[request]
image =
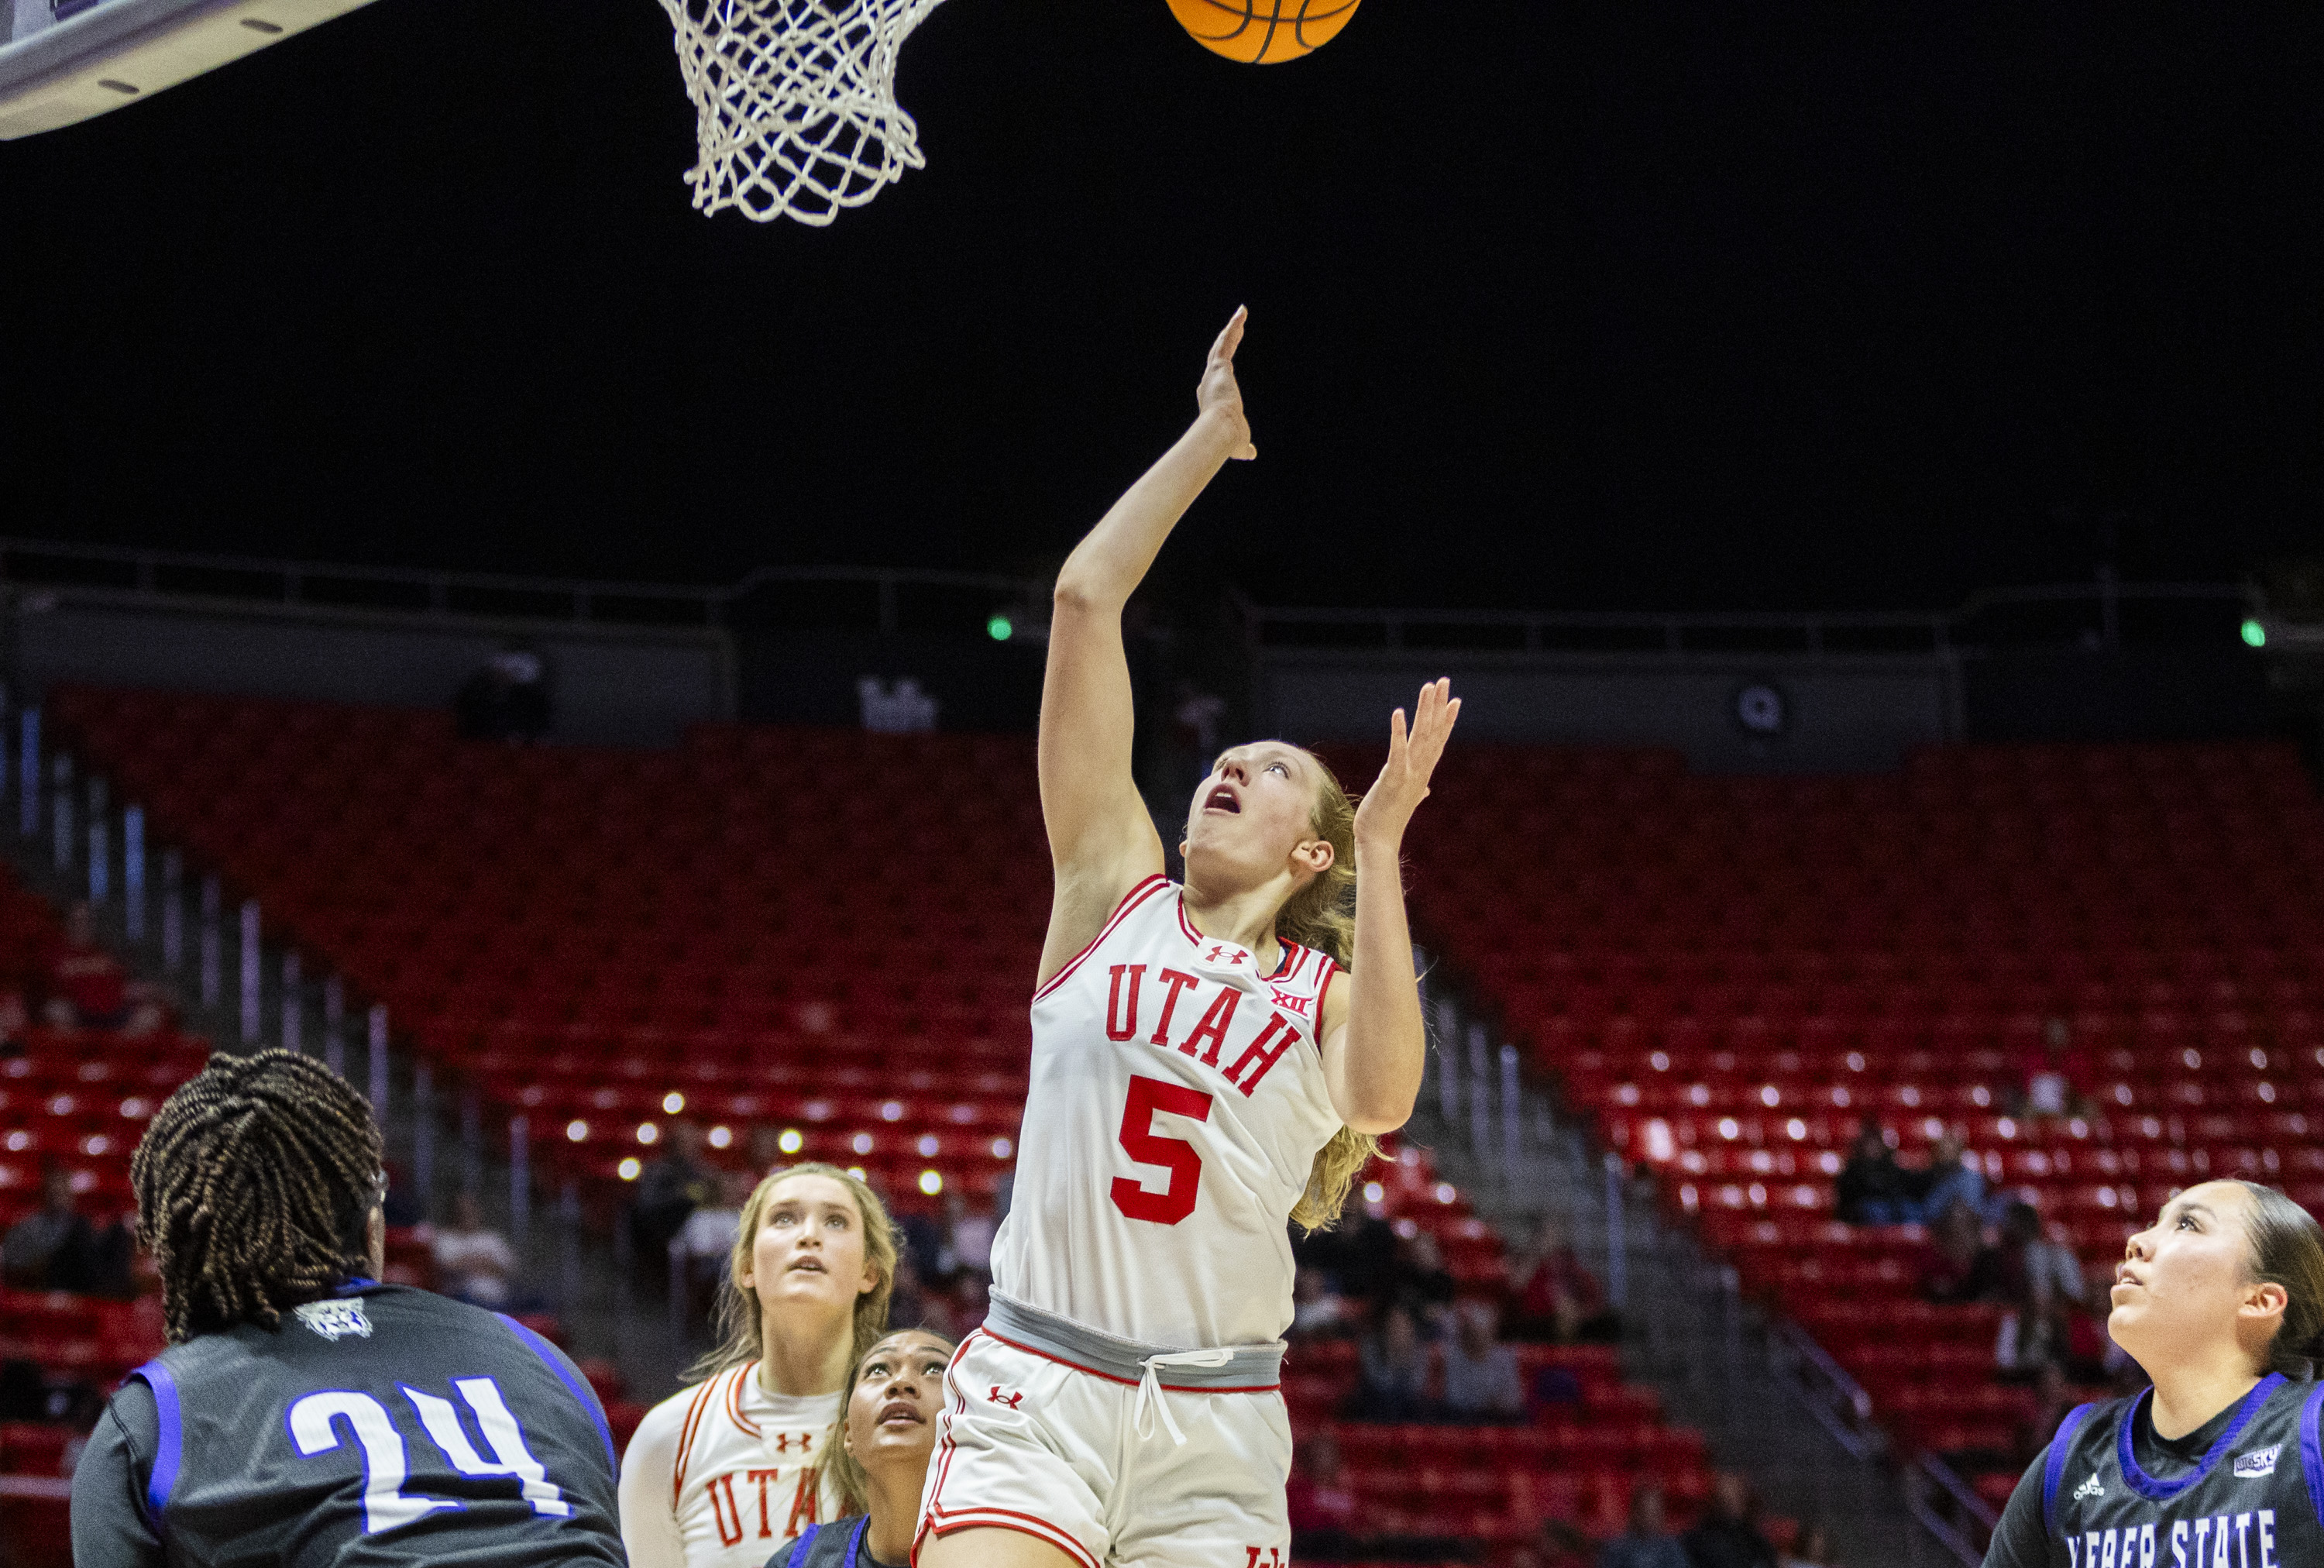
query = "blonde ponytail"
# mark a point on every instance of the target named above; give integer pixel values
(1323, 916)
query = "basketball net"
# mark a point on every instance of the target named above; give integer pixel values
(795, 102)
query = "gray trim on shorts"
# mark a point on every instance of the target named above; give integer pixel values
(1093, 1351)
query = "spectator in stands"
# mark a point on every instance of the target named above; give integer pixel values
(54, 1247)
(1728, 1535)
(1317, 1311)
(705, 1244)
(1358, 1254)
(1873, 1189)
(972, 1298)
(2052, 1400)
(1481, 1374)
(473, 1262)
(1393, 1364)
(2055, 1076)
(87, 987)
(507, 699)
(967, 1239)
(1947, 1179)
(672, 1185)
(1959, 1266)
(1324, 1509)
(1811, 1549)
(2041, 1282)
(1422, 1285)
(1647, 1543)
(1554, 1297)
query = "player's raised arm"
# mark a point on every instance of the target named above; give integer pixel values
(1376, 1046)
(1102, 841)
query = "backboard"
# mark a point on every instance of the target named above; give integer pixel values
(63, 61)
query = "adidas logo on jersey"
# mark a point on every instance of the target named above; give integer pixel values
(2258, 1462)
(2090, 1489)
(334, 1320)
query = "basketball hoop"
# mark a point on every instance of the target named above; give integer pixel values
(795, 102)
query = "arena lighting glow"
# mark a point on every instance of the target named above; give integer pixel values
(577, 1130)
(2254, 634)
(673, 1103)
(927, 1145)
(648, 1133)
(629, 1170)
(720, 1137)
(860, 1143)
(856, 1171)
(931, 1183)
(1374, 1191)
(1001, 629)
(791, 1142)
(1002, 1148)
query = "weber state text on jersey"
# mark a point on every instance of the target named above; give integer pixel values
(383, 1424)
(1178, 1103)
(2105, 1494)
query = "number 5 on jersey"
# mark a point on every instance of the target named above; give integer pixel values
(1148, 1098)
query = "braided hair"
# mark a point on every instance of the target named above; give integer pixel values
(254, 1185)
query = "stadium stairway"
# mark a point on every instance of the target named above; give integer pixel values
(1722, 975)
(1719, 1365)
(819, 937)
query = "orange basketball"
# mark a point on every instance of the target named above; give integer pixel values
(1263, 31)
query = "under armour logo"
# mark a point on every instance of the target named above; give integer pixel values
(2090, 1489)
(1012, 1401)
(1233, 956)
(1274, 1558)
(783, 1443)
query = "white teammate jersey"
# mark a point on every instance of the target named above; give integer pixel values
(1177, 1103)
(721, 1474)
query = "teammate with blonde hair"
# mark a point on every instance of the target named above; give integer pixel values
(727, 1470)
(1209, 1061)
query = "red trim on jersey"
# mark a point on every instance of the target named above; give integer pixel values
(1004, 1520)
(1125, 1382)
(1130, 900)
(1331, 972)
(1197, 940)
(686, 1436)
(735, 1402)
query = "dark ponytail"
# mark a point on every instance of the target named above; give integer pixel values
(2287, 1247)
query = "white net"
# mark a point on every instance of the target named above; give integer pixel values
(795, 102)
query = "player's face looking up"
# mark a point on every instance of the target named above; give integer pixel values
(2189, 1281)
(809, 1249)
(891, 1410)
(1253, 818)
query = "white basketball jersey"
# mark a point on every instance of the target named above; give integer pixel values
(1177, 1103)
(744, 1480)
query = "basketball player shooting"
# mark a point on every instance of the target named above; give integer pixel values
(1209, 1061)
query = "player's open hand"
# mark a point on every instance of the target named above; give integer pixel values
(1403, 783)
(1219, 393)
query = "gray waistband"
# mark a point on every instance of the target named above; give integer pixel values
(1093, 1351)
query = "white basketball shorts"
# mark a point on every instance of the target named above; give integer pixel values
(1034, 1443)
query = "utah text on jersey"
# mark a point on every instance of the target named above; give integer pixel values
(739, 1479)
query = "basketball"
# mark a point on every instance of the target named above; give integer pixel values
(1263, 31)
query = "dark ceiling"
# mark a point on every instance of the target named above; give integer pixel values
(1602, 306)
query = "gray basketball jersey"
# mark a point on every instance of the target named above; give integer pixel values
(381, 1425)
(2255, 1500)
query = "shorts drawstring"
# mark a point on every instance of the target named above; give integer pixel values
(1149, 1387)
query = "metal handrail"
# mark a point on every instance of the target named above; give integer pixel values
(581, 594)
(1672, 629)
